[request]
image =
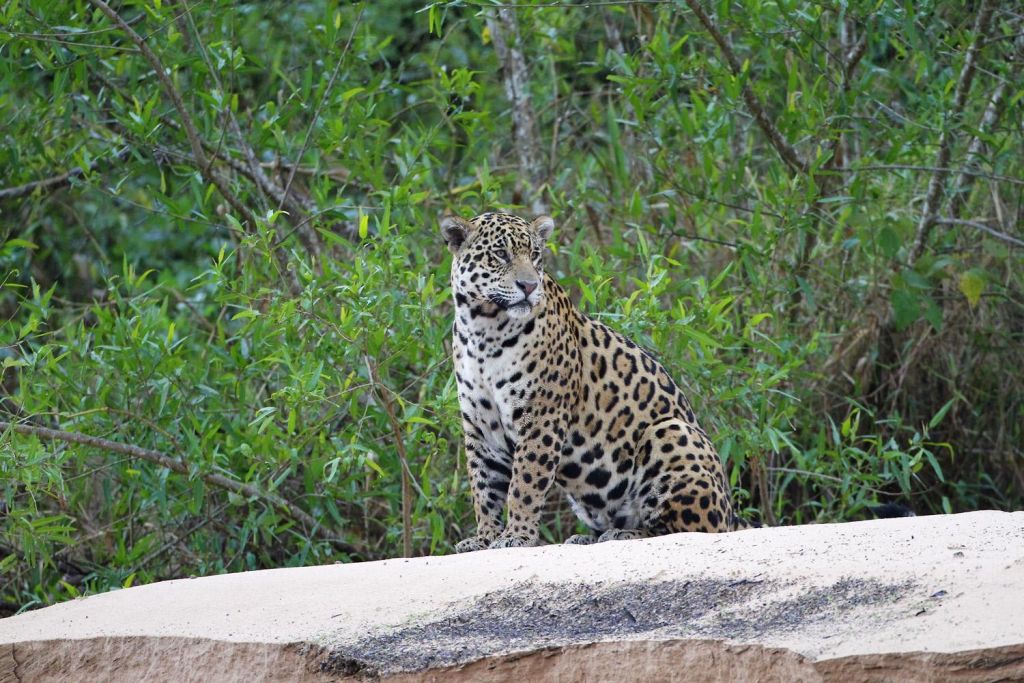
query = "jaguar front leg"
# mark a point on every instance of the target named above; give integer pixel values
(489, 473)
(533, 471)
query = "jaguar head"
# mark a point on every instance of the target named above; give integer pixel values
(498, 260)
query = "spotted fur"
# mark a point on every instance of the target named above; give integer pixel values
(551, 397)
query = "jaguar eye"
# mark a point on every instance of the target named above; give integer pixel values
(502, 254)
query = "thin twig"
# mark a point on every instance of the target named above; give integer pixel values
(779, 142)
(963, 184)
(396, 429)
(826, 183)
(573, 5)
(820, 475)
(515, 76)
(931, 169)
(963, 87)
(167, 462)
(178, 538)
(65, 34)
(638, 163)
(981, 226)
(710, 240)
(299, 205)
(247, 151)
(296, 208)
(58, 181)
(247, 218)
(179, 105)
(323, 98)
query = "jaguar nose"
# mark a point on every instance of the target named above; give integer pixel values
(527, 286)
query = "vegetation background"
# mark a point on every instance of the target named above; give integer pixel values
(224, 301)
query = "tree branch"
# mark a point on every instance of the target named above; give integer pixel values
(779, 142)
(396, 430)
(58, 181)
(296, 207)
(186, 120)
(181, 467)
(515, 75)
(931, 169)
(974, 149)
(980, 226)
(195, 141)
(963, 88)
(316, 114)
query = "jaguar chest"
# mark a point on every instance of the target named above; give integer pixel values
(493, 385)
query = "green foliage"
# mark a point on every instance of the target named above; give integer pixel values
(302, 349)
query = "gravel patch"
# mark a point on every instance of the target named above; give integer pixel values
(531, 617)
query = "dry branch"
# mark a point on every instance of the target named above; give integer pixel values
(1010, 239)
(323, 98)
(396, 430)
(58, 181)
(179, 105)
(993, 110)
(504, 28)
(785, 150)
(963, 88)
(175, 465)
(933, 169)
(195, 141)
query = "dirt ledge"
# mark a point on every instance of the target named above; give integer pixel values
(919, 599)
(675, 661)
(655, 661)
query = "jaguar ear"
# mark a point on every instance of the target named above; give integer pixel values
(455, 231)
(543, 225)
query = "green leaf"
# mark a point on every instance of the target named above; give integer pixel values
(905, 308)
(937, 418)
(844, 428)
(352, 92)
(972, 284)
(888, 241)
(933, 314)
(372, 464)
(935, 465)
(701, 337)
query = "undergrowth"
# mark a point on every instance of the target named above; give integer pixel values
(284, 339)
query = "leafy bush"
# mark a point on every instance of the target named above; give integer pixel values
(225, 294)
